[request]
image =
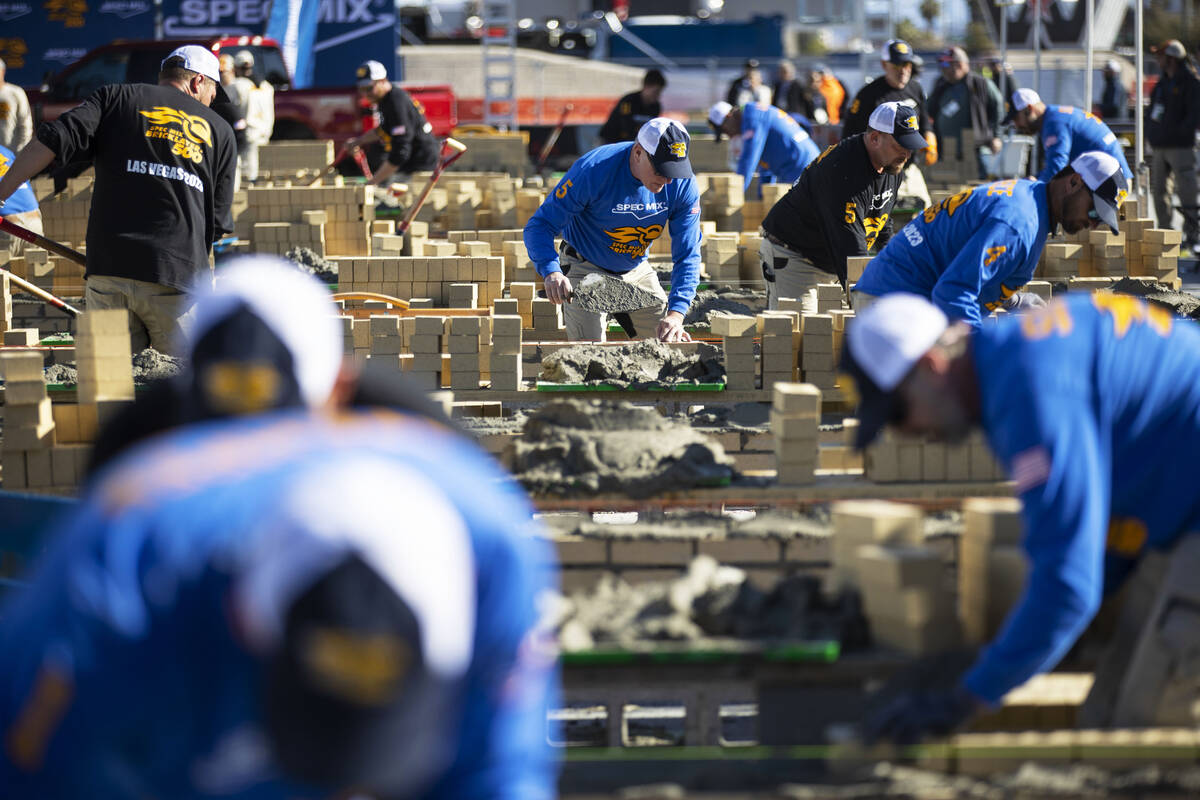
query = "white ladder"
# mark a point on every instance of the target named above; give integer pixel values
(499, 44)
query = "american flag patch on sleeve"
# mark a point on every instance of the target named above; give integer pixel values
(1030, 468)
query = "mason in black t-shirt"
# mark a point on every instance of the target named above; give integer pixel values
(838, 208)
(634, 110)
(403, 129)
(164, 165)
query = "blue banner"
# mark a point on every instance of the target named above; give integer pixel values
(40, 36)
(293, 23)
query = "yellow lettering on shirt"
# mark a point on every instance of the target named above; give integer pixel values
(1002, 187)
(561, 191)
(1127, 310)
(993, 254)
(949, 205)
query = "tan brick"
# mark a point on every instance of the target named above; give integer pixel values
(573, 550)
(739, 550)
(652, 552)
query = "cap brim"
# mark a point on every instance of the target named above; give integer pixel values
(674, 169)
(912, 140)
(1108, 213)
(221, 96)
(875, 407)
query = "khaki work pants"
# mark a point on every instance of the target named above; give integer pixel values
(159, 316)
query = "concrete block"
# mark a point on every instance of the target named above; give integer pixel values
(652, 552)
(797, 399)
(732, 326)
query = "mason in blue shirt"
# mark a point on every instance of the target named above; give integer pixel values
(1065, 132)
(772, 142)
(1092, 404)
(610, 207)
(20, 208)
(972, 253)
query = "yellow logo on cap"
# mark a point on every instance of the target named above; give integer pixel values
(910, 123)
(678, 149)
(901, 47)
(195, 131)
(1121, 195)
(363, 668)
(237, 388)
(362, 72)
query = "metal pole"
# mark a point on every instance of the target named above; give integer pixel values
(1003, 45)
(1140, 178)
(1037, 45)
(1088, 24)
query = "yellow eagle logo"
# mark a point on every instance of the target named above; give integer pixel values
(633, 240)
(678, 149)
(901, 47)
(910, 123)
(1121, 195)
(195, 131)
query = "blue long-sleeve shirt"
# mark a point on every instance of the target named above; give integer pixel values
(22, 200)
(125, 671)
(1069, 132)
(611, 219)
(969, 253)
(774, 142)
(1093, 406)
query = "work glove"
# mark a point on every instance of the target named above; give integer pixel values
(916, 715)
(1023, 301)
(931, 153)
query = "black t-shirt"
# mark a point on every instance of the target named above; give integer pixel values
(836, 209)
(627, 118)
(880, 91)
(164, 180)
(405, 132)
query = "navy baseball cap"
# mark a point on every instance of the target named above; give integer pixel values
(897, 51)
(667, 143)
(900, 120)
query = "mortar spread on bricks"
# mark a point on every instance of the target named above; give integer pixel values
(606, 294)
(648, 362)
(586, 447)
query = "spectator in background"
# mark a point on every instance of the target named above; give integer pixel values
(788, 93)
(233, 111)
(748, 87)
(1001, 74)
(259, 114)
(832, 90)
(16, 123)
(1112, 96)
(634, 110)
(1171, 130)
(964, 100)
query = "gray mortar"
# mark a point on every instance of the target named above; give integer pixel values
(604, 293)
(708, 604)
(148, 365)
(577, 447)
(1182, 304)
(736, 416)
(647, 362)
(724, 301)
(311, 262)
(61, 373)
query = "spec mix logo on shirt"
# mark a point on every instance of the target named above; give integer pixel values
(633, 240)
(185, 142)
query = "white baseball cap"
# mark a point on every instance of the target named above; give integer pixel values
(370, 71)
(900, 121)
(202, 61)
(295, 327)
(719, 111)
(1021, 100)
(883, 343)
(244, 58)
(667, 143)
(1103, 176)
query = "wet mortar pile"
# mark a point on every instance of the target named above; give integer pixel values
(587, 447)
(603, 293)
(148, 365)
(314, 264)
(1182, 304)
(644, 363)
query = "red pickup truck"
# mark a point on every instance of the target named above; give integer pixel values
(299, 113)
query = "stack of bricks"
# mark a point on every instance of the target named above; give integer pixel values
(777, 331)
(426, 347)
(347, 324)
(65, 215)
(906, 599)
(723, 200)
(1106, 256)
(28, 421)
(854, 268)
(863, 522)
(500, 203)
(737, 346)
(494, 152)
(293, 159)
(1061, 260)
(102, 356)
(517, 264)
(795, 417)
(892, 458)
(349, 212)
(524, 294)
(817, 357)
(495, 238)
(280, 237)
(1158, 255)
(408, 277)
(991, 565)
(547, 321)
(462, 295)
(464, 347)
(433, 210)
(387, 343)
(436, 248)
(463, 197)
(505, 366)
(749, 261)
(528, 202)
(830, 298)
(722, 261)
